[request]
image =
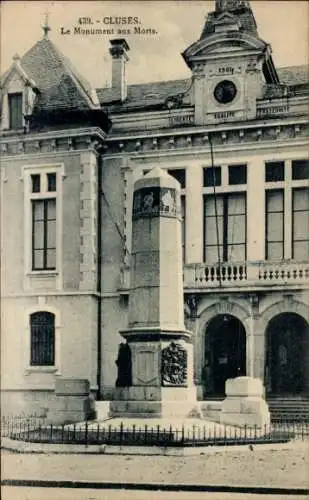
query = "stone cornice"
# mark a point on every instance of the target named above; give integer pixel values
(227, 138)
(57, 141)
(55, 134)
(206, 129)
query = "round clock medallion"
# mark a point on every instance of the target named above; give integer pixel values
(225, 91)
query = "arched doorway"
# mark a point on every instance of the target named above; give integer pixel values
(225, 353)
(287, 355)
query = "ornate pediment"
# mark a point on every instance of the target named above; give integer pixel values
(226, 22)
(16, 75)
(223, 42)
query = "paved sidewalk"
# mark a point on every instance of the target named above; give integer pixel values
(268, 468)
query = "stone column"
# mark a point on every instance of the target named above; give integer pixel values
(194, 215)
(255, 212)
(159, 349)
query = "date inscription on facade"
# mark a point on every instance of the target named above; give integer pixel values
(174, 359)
(154, 202)
(226, 70)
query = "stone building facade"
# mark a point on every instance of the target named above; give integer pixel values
(235, 135)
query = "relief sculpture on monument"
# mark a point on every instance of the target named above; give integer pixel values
(174, 365)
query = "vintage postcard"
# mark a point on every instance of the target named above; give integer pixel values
(154, 227)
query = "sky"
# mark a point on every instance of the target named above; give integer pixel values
(153, 57)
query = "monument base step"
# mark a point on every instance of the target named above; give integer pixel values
(102, 410)
(155, 409)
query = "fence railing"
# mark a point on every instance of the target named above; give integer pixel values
(10, 424)
(203, 434)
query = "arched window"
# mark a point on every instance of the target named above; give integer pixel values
(42, 328)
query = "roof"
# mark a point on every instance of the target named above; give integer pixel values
(244, 16)
(60, 85)
(147, 93)
(294, 75)
(156, 93)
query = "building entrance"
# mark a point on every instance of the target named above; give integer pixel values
(225, 353)
(287, 354)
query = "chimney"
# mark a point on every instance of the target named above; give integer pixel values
(118, 51)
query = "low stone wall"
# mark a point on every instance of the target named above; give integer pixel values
(244, 404)
(72, 402)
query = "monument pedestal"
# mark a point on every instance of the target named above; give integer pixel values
(244, 404)
(162, 377)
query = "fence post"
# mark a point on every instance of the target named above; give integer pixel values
(86, 432)
(51, 432)
(98, 433)
(183, 433)
(121, 432)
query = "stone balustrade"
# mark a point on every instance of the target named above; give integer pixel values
(283, 272)
(238, 274)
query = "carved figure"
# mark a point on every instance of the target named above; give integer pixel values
(174, 365)
(168, 201)
(148, 201)
(124, 365)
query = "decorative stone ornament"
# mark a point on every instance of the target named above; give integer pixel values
(174, 365)
(154, 202)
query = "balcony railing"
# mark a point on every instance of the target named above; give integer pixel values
(230, 274)
(237, 274)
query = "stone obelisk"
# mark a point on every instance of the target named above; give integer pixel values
(160, 347)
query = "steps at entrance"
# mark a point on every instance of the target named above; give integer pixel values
(289, 408)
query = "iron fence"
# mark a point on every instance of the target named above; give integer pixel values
(12, 424)
(34, 429)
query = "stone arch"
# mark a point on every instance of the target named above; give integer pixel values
(286, 328)
(213, 342)
(223, 307)
(287, 305)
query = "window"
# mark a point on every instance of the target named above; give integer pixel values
(211, 176)
(274, 171)
(237, 174)
(274, 240)
(43, 198)
(36, 183)
(44, 234)
(300, 170)
(42, 345)
(16, 110)
(180, 175)
(300, 224)
(51, 182)
(230, 224)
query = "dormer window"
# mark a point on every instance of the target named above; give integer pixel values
(15, 110)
